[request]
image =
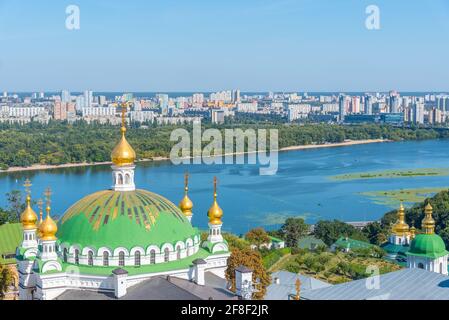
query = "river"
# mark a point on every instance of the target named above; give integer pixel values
(301, 187)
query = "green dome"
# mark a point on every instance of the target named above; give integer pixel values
(124, 219)
(427, 245)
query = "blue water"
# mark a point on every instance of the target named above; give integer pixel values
(300, 188)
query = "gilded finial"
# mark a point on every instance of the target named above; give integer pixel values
(298, 289)
(428, 223)
(400, 228)
(186, 205)
(215, 213)
(186, 182)
(48, 228)
(123, 154)
(28, 216)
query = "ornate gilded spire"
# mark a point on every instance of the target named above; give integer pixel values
(215, 213)
(428, 224)
(123, 154)
(400, 228)
(40, 205)
(28, 216)
(48, 227)
(298, 289)
(186, 205)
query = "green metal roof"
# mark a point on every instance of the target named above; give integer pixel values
(10, 238)
(124, 219)
(274, 239)
(394, 248)
(428, 245)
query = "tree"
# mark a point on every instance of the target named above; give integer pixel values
(15, 203)
(6, 280)
(330, 231)
(7, 217)
(257, 236)
(235, 242)
(293, 230)
(375, 233)
(252, 260)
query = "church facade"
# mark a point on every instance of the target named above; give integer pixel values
(114, 239)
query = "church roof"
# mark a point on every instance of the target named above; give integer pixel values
(160, 288)
(124, 219)
(405, 284)
(427, 245)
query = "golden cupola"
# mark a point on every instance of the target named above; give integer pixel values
(215, 213)
(123, 154)
(48, 227)
(28, 217)
(186, 205)
(401, 228)
(41, 219)
(428, 223)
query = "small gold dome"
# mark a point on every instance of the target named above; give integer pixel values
(428, 223)
(400, 228)
(28, 217)
(48, 228)
(186, 205)
(123, 154)
(215, 213)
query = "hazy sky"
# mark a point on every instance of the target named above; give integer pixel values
(198, 45)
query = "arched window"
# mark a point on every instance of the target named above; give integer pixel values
(121, 259)
(152, 257)
(441, 267)
(400, 241)
(106, 259)
(137, 259)
(90, 258)
(64, 254)
(127, 178)
(420, 265)
(77, 256)
(166, 255)
(178, 253)
(120, 179)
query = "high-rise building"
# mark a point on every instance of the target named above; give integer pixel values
(343, 106)
(355, 104)
(65, 96)
(368, 105)
(80, 103)
(88, 98)
(60, 111)
(5, 94)
(101, 100)
(394, 104)
(418, 112)
(218, 116)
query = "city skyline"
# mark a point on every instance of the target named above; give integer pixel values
(255, 46)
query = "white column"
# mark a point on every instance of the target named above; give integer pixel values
(123, 178)
(29, 239)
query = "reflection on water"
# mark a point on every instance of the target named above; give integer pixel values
(300, 188)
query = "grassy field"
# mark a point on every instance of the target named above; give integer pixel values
(392, 198)
(333, 268)
(388, 174)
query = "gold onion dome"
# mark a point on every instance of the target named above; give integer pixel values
(123, 154)
(401, 228)
(48, 228)
(215, 213)
(41, 220)
(186, 205)
(428, 223)
(28, 217)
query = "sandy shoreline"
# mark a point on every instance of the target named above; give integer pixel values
(38, 167)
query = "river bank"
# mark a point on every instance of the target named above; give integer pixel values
(38, 167)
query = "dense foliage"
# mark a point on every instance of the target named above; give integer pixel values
(293, 230)
(60, 142)
(330, 231)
